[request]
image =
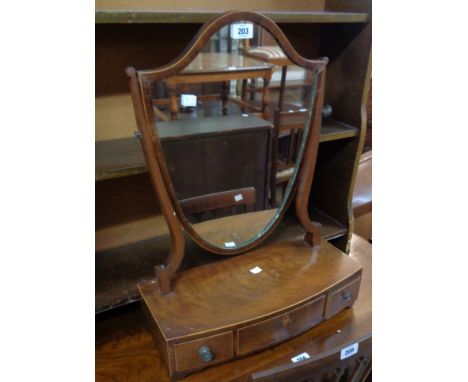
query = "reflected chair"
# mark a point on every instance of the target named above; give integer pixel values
(286, 124)
(219, 204)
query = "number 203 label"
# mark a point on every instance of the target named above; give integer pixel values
(349, 350)
(242, 30)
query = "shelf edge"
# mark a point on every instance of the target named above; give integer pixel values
(139, 169)
(121, 16)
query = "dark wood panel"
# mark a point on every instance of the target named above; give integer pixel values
(332, 181)
(308, 47)
(348, 48)
(141, 46)
(348, 5)
(214, 161)
(122, 200)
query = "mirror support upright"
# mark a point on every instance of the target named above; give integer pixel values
(166, 271)
(312, 236)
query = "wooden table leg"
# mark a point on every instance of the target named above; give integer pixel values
(173, 107)
(244, 92)
(266, 96)
(224, 95)
(284, 70)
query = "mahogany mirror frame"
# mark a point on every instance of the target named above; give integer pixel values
(161, 182)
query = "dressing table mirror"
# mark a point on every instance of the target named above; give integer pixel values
(230, 133)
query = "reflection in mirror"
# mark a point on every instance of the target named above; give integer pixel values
(232, 125)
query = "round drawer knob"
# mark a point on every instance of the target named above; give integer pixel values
(346, 295)
(205, 353)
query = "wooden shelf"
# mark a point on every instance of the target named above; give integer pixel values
(131, 15)
(333, 130)
(331, 229)
(117, 158)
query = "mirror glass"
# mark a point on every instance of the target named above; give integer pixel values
(232, 126)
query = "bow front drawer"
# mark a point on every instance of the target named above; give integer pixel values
(280, 328)
(342, 298)
(203, 352)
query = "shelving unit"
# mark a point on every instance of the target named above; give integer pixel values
(135, 33)
(132, 15)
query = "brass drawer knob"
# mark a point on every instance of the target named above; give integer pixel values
(205, 353)
(346, 295)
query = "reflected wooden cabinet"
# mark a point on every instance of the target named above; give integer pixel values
(219, 145)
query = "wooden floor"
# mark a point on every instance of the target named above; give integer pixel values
(125, 351)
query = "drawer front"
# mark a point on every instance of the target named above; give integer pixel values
(342, 298)
(203, 352)
(280, 328)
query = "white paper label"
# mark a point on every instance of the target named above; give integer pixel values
(300, 357)
(256, 270)
(238, 197)
(241, 31)
(230, 244)
(349, 350)
(188, 100)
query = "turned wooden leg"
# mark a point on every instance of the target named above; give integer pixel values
(284, 70)
(265, 96)
(274, 164)
(173, 107)
(252, 89)
(244, 93)
(224, 95)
